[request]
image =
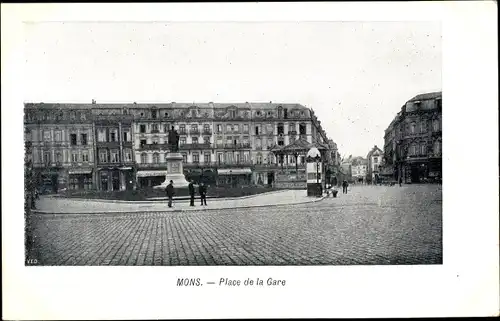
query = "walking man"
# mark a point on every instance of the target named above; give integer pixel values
(344, 187)
(191, 193)
(203, 193)
(170, 193)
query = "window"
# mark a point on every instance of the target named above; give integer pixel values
(423, 149)
(206, 140)
(281, 141)
(375, 160)
(233, 114)
(126, 136)
(285, 113)
(166, 115)
(101, 135)
(143, 142)
(302, 129)
(182, 129)
(219, 128)
(155, 140)
(206, 128)
(156, 158)
(74, 157)
(144, 158)
(154, 128)
(270, 142)
(245, 128)
(270, 128)
(246, 157)
(128, 155)
(112, 137)
(182, 141)
(46, 135)
(269, 113)
(412, 128)
(154, 114)
(291, 127)
(437, 147)
(302, 159)
(85, 156)
(46, 158)
(103, 156)
(194, 127)
(423, 126)
(142, 128)
(196, 158)
(194, 140)
(229, 158)
(83, 116)
(435, 125)
(259, 159)
(281, 129)
(184, 158)
(257, 130)
(72, 139)
(236, 128)
(220, 158)
(237, 158)
(193, 113)
(206, 158)
(228, 128)
(72, 115)
(114, 156)
(292, 159)
(83, 138)
(58, 135)
(219, 141)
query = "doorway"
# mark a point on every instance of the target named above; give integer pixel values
(270, 179)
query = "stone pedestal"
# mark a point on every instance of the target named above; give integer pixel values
(175, 171)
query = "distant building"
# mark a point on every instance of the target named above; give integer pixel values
(375, 161)
(413, 140)
(359, 169)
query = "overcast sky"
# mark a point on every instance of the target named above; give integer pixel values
(356, 76)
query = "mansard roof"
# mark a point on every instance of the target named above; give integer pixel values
(427, 96)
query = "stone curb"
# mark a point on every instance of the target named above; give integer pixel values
(176, 210)
(165, 200)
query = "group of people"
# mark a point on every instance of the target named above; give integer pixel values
(202, 190)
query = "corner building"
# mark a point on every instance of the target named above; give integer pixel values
(413, 140)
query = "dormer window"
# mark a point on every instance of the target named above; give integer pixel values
(166, 115)
(193, 113)
(153, 114)
(142, 114)
(258, 113)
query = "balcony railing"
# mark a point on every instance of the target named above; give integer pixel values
(193, 131)
(155, 131)
(292, 132)
(207, 131)
(153, 147)
(151, 165)
(195, 146)
(234, 146)
(182, 132)
(233, 164)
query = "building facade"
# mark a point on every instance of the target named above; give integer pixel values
(63, 153)
(375, 162)
(413, 140)
(116, 147)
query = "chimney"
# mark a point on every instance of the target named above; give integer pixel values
(93, 102)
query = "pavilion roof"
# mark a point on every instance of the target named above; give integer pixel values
(298, 145)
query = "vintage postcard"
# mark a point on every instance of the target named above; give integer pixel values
(168, 155)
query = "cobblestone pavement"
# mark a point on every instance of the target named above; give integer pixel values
(370, 225)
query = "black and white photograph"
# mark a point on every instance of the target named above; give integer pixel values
(204, 143)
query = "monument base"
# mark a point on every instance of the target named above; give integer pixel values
(175, 172)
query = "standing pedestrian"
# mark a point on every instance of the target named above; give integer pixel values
(400, 181)
(170, 193)
(191, 192)
(203, 193)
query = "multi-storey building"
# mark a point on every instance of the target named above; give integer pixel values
(225, 144)
(375, 161)
(62, 145)
(413, 140)
(115, 166)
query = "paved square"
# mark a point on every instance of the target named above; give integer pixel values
(370, 225)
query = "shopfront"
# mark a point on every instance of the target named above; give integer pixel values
(234, 177)
(150, 178)
(80, 179)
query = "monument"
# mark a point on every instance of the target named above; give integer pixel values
(175, 171)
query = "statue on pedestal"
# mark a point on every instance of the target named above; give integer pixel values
(173, 140)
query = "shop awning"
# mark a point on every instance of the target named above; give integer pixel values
(151, 173)
(125, 168)
(79, 171)
(234, 171)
